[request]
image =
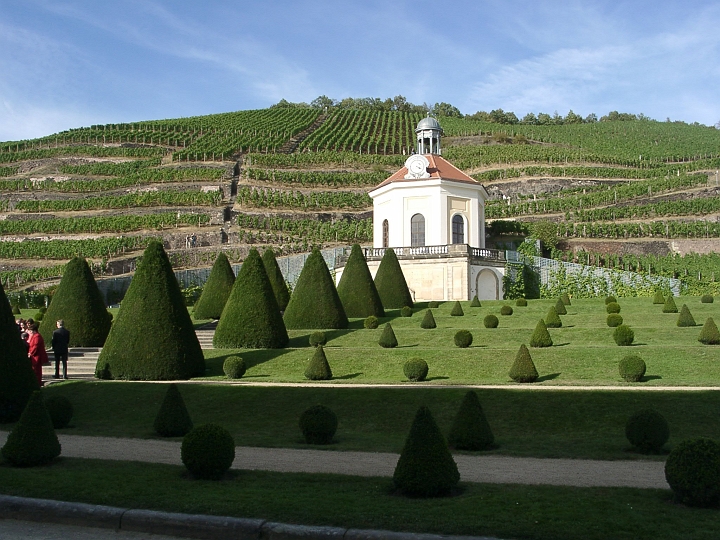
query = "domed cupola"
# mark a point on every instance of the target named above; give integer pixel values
(428, 133)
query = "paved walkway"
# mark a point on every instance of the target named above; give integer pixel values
(473, 468)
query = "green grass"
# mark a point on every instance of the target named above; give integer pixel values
(505, 511)
(550, 423)
(584, 352)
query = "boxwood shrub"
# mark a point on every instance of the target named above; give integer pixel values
(317, 338)
(693, 472)
(60, 409)
(612, 307)
(428, 321)
(433, 304)
(521, 302)
(491, 321)
(685, 318)
(632, 368)
(669, 305)
(318, 424)
(614, 320)
(208, 451)
(234, 367)
(624, 335)
(506, 310)
(610, 299)
(172, 419)
(707, 299)
(709, 335)
(415, 369)
(406, 311)
(387, 339)
(372, 322)
(457, 310)
(463, 339)
(658, 298)
(647, 430)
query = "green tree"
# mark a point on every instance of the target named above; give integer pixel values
(172, 419)
(251, 318)
(390, 282)
(33, 440)
(277, 280)
(80, 304)
(356, 289)
(153, 337)
(470, 429)
(216, 291)
(523, 369)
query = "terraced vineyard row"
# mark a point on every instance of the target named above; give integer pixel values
(313, 230)
(316, 178)
(67, 249)
(323, 200)
(151, 198)
(84, 151)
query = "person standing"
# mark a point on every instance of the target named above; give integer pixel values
(60, 342)
(36, 351)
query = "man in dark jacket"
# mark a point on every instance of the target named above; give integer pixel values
(60, 342)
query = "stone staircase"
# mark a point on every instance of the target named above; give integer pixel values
(205, 335)
(291, 144)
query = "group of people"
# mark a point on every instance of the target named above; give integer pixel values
(35, 346)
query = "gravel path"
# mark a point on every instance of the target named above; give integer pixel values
(486, 469)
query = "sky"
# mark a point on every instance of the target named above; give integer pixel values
(74, 63)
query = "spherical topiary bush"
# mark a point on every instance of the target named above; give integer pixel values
(387, 339)
(693, 471)
(208, 451)
(709, 335)
(624, 335)
(428, 321)
(647, 430)
(614, 320)
(60, 409)
(457, 310)
(610, 299)
(463, 339)
(406, 311)
(433, 304)
(491, 321)
(612, 307)
(506, 310)
(318, 338)
(658, 298)
(415, 369)
(521, 302)
(707, 299)
(632, 368)
(318, 425)
(685, 318)
(669, 305)
(372, 322)
(38, 316)
(234, 367)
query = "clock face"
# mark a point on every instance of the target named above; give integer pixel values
(417, 166)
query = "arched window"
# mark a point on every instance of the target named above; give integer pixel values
(385, 233)
(458, 229)
(417, 230)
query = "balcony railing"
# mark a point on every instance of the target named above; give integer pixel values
(430, 252)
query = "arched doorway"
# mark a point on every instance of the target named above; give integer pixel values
(487, 286)
(417, 230)
(458, 229)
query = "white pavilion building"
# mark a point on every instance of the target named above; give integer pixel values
(433, 216)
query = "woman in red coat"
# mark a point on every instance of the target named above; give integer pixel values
(37, 353)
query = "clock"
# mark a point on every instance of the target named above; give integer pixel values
(417, 165)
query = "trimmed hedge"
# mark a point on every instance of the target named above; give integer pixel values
(506, 310)
(153, 337)
(540, 336)
(669, 305)
(415, 369)
(17, 379)
(234, 367)
(610, 299)
(387, 339)
(612, 307)
(565, 297)
(475, 302)
(371, 323)
(552, 320)
(315, 302)
(80, 304)
(433, 304)
(614, 320)
(60, 409)
(658, 298)
(356, 289)
(390, 282)
(277, 280)
(425, 467)
(318, 368)
(624, 335)
(428, 321)
(457, 310)
(521, 302)
(251, 318)
(647, 430)
(693, 471)
(491, 321)
(406, 311)
(632, 368)
(173, 419)
(318, 424)
(709, 335)
(523, 369)
(33, 440)
(560, 307)
(470, 429)
(208, 451)
(685, 318)
(463, 339)
(216, 290)
(707, 299)
(317, 338)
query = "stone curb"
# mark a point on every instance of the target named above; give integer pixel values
(189, 525)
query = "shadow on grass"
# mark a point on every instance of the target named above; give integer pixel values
(438, 378)
(349, 376)
(549, 377)
(561, 344)
(650, 378)
(407, 346)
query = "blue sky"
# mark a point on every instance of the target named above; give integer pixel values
(72, 63)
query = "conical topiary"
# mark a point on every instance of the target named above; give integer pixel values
(658, 298)
(216, 291)
(560, 307)
(80, 304)
(318, 368)
(475, 302)
(669, 305)
(153, 337)
(388, 339)
(17, 379)
(277, 280)
(457, 310)
(565, 297)
(709, 335)
(251, 318)
(685, 318)
(390, 282)
(426, 467)
(523, 369)
(428, 321)
(470, 429)
(173, 419)
(315, 302)
(33, 440)
(552, 320)
(356, 289)
(541, 336)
